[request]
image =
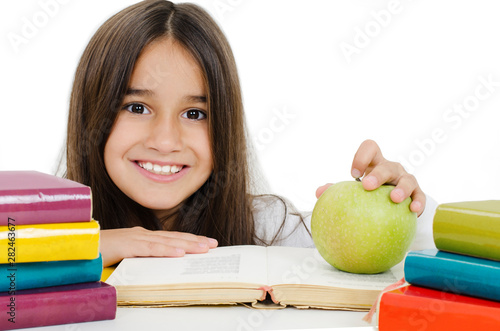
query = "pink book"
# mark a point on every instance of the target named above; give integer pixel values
(76, 303)
(31, 197)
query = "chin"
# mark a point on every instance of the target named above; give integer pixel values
(159, 206)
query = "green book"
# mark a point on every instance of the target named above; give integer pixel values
(469, 228)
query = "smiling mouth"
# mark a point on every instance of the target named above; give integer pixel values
(159, 169)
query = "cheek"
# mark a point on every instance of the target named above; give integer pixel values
(116, 144)
(108, 152)
(110, 155)
(206, 151)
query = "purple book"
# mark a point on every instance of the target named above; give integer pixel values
(31, 197)
(57, 305)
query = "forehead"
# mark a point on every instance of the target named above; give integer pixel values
(165, 62)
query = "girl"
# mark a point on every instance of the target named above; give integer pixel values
(156, 128)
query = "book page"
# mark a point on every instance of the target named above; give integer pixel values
(245, 264)
(293, 265)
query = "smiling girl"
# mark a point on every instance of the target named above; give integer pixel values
(156, 128)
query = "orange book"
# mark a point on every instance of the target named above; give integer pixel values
(417, 308)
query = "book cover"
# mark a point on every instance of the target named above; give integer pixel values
(22, 276)
(293, 276)
(57, 305)
(418, 308)
(456, 273)
(470, 228)
(49, 242)
(31, 197)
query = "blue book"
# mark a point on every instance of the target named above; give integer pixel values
(23, 276)
(455, 273)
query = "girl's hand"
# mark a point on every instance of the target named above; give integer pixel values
(117, 244)
(369, 162)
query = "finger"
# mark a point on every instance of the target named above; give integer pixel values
(187, 246)
(385, 172)
(368, 154)
(405, 187)
(159, 246)
(418, 203)
(322, 189)
(408, 187)
(212, 243)
(145, 248)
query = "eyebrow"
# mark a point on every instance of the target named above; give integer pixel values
(139, 92)
(146, 92)
(196, 98)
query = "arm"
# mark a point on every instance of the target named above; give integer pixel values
(117, 244)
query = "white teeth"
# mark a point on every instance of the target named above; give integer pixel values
(160, 170)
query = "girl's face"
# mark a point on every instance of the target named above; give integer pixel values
(158, 152)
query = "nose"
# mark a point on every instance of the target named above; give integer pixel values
(165, 134)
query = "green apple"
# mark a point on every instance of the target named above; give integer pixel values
(362, 231)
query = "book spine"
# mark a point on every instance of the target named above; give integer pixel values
(53, 307)
(469, 232)
(435, 311)
(454, 273)
(49, 242)
(63, 205)
(22, 276)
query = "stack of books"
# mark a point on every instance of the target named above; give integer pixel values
(456, 286)
(50, 266)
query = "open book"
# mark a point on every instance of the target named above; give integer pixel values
(245, 274)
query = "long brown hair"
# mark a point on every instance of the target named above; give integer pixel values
(221, 208)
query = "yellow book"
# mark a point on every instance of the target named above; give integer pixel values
(49, 242)
(106, 272)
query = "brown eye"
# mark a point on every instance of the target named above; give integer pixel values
(194, 114)
(137, 108)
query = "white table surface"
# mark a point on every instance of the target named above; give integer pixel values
(238, 318)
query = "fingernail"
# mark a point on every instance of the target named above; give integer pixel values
(356, 173)
(213, 242)
(179, 252)
(203, 245)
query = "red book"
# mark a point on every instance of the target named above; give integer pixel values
(31, 197)
(57, 305)
(417, 308)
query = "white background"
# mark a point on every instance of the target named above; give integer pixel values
(409, 69)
